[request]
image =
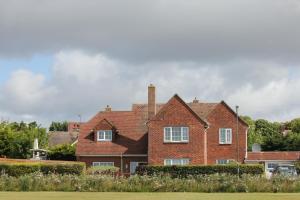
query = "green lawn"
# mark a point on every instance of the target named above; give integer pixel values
(143, 196)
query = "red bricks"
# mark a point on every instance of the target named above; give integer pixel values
(175, 114)
(223, 117)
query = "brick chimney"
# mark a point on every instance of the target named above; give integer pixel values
(108, 108)
(151, 101)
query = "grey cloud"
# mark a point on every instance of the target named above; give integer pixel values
(139, 31)
(84, 83)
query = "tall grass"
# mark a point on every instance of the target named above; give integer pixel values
(105, 183)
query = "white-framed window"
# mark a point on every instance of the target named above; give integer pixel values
(104, 135)
(222, 162)
(103, 164)
(176, 134)
(182, 161)
(225, 136)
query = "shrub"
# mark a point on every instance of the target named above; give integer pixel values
(18, 169)
(184, 171)
(62, 152)
(105, 183)
(23, 168)
(97, 170)
(297, 165)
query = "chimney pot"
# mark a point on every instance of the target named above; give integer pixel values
(108, 108)
(195, 100)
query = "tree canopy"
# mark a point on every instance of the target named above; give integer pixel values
(16, 139)
(270, 134)
(59, 126)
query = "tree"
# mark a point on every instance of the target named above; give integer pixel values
(16, 139)
(59, 126)
(62, 152)
(295, 125)
(253, 136)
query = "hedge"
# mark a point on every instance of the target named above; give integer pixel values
(184, 171)
(23, 168)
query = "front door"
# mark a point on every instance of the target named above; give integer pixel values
(133, 166)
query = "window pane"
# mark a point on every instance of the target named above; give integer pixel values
(185, 161)
(101, 135)
(167, 134)
(185, 133)
(222, 162)
(176, 162)
(168, 162)
(222, 135)
(108, 135)
(228, 136)
(176, 134)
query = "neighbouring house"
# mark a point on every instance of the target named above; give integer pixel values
(65, 137)
(173, 133)
(271, 159)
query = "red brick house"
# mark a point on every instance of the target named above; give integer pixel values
(174, 133)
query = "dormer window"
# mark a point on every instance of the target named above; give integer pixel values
(104, 135)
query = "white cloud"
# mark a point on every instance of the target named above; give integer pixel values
(277, 100)
(84, 83)
(24, 92)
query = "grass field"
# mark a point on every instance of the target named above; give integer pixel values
(144, 196)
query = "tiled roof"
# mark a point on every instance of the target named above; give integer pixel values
(131, 127)
(131, 137)
(201, 109)
(273, 155)
(61, 137)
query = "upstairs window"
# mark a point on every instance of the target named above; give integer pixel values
(104, 135)
(183, 161)
(176, 134)
(225, 135)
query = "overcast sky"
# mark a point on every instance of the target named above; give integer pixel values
(62, 58)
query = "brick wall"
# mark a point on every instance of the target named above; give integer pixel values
(222, 117)
(175, 114)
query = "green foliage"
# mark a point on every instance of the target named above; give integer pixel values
(253, 136)
(16, 139)
(295, 125)
(185, 171)
(62, 152)
(104, 183)
(23, 168)
(297, 165)
(59, 126)
(270, 136)
(97, 170)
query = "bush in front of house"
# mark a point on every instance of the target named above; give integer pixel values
(190, 170)
(102, 170)
(136, 183)
(62, 152)
(23, 168)
(297, 165)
